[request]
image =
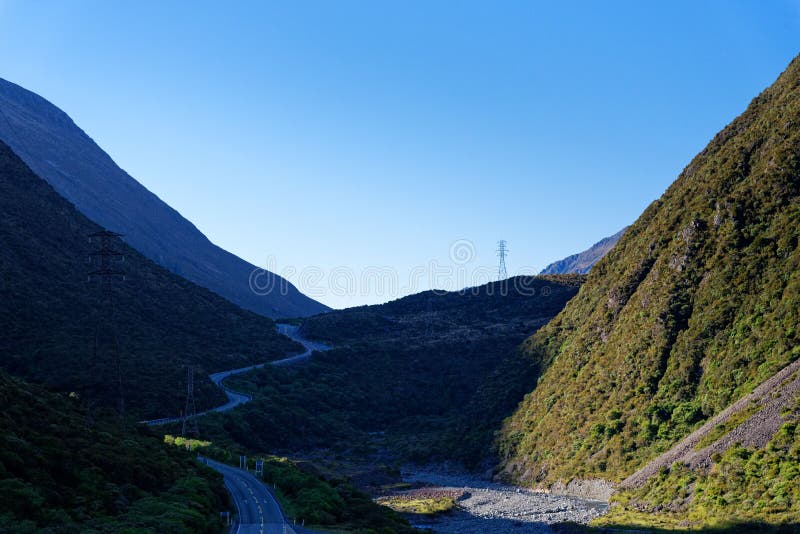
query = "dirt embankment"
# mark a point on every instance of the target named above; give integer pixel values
(768, 403)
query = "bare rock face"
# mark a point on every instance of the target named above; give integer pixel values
(58, 151)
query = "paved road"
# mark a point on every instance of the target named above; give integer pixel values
(257, 510)
(292, 331)
(236, 398)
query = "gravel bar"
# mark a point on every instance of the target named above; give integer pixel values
(490, 507)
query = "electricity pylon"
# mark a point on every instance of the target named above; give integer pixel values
(189, 423)
(104, 324)
(502, 251)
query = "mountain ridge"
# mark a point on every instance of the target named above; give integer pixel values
(60, 152)
(694, 308)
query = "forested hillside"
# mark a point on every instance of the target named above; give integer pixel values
(57, 474)
(400, 375)
(695, 306)
(49, 310)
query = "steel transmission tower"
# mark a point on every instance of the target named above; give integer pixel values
(502, 251)
(104, 258)
(189, 422)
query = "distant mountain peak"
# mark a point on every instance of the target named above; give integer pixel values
(582, 262)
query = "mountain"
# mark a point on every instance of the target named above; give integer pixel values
(583, 261)
(57, 474)
(402, 376)
(61, 153)
(50, 312)
(696, 306)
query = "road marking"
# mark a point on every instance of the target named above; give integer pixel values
(236, 502)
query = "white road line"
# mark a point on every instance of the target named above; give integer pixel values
(236, 502)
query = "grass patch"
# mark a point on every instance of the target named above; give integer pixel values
(419, 505)
(189, 444)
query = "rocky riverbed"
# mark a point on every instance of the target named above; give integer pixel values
(484, 506)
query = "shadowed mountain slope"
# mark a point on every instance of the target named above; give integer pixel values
(49, 310)
(582, 262)
(61, 153)
(695, 307)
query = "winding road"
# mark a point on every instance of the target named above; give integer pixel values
(257, 511)
(236, 398)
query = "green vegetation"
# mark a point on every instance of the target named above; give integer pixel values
(327, 503)
(730, 527)
(401, 377)
(697, 304)
(419, 505)
(48, 310)
(743, 486)
(59, 475)
(190, 444)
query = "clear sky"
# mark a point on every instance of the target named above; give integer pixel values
(323, 139)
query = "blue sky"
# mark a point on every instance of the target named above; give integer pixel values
(323, 139)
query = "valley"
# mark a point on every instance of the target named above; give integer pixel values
(401, 380)
(152, 381)
(653, 347)
(479, 505)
